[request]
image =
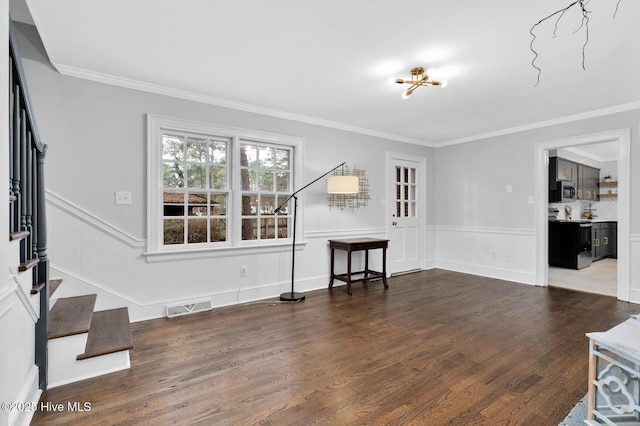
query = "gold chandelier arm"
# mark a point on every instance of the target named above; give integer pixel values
(418, 78)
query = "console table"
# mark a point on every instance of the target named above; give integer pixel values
(614, 375)
(356, 244)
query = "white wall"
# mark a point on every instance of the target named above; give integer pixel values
(96, 138)
(476, 216)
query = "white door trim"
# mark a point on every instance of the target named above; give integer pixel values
(389, 205)
(623, 138)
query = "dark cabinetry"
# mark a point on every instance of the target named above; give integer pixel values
(586, 178)
(561, 170)
(588, 183)
(613, 245)
(570, 244)
(604, 240)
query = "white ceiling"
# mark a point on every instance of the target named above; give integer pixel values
(605, 151)
(328, 61)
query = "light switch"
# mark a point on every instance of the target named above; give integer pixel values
(509, 189)
(123, 197)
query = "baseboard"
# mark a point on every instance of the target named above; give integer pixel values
(74, 284)
(501, 274)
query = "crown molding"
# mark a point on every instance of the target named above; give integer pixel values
(226, 103)
(541, 124)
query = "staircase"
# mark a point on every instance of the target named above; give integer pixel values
(83, 343)
(72, 342)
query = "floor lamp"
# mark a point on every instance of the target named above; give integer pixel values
(338, 184)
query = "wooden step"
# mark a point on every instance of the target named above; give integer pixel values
(28, 265)
(71, 315)
(53, 286)
(37, 288)
(18, 235)
(110, 332)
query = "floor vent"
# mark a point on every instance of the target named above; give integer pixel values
(410, 271)
(189, 308)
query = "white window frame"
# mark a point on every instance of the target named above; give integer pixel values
(156, 250)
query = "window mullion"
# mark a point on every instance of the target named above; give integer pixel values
(236, 192)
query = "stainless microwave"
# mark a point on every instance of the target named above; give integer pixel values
(566, 191)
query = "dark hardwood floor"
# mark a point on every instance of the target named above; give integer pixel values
(436, 348)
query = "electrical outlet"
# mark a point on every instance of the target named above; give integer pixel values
(243, 271)
(123, 197)
(507, 257)
(493, 254)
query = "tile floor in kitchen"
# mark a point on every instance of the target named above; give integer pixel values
(601, 278)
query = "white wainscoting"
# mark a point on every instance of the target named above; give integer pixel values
(634, 273)
(17, 332)
(430, 236)
(93, 257)
(507, 254)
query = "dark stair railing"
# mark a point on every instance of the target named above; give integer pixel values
(27, 197)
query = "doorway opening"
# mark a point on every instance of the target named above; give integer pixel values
(544, 274)
(594, 209)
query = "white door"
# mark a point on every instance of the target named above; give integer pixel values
(404, 215)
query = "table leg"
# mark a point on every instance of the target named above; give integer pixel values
(349, 272)
(384, 267)
(332, 274)
(366, 263)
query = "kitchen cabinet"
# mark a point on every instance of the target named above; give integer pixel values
(561, 170)
(588, 183)
(604, 240)
(613, 246)
(570, 244)
(585, 177)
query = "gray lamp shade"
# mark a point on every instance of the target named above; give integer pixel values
(343, 185)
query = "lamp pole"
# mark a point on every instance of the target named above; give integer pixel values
(293, 296)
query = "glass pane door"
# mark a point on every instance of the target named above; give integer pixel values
(406, 190)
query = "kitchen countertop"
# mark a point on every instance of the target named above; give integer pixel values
(584, 221)
(571, 221)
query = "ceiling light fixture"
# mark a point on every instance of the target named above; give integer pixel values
(419, 78)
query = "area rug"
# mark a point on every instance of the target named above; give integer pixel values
(577, 415)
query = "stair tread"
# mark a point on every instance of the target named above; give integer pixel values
(37, 288)
(18, 235)
(71, 315)
(28, 265)
(110, 332)
(53, 286)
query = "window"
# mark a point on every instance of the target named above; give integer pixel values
(195, 188)
(265, 175)
(214, 187)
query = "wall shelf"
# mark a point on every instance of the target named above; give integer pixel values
(609, 194)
